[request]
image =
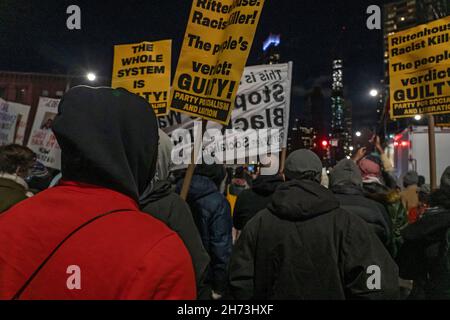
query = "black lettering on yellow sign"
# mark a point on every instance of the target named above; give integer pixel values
(216, 45)
(144, 69)
(221, 24)
(419, 70)
(212, 87)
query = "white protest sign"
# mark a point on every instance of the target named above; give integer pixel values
(42, 140)
(8, 121)
(23, 112)
(262, 103)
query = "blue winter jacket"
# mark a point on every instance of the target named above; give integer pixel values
(212, 215)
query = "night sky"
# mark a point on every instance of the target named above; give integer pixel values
(34, 38)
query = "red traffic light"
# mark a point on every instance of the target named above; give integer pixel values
(403, 144)
(324, 143)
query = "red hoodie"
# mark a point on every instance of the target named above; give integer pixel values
(124, 255)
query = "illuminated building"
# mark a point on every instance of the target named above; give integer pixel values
(341, 117)
(271, 49)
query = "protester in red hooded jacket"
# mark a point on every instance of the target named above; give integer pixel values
(86, 238)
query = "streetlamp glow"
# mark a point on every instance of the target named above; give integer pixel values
(417, 117)
(373, 92)
(91, 76)
(358, 134)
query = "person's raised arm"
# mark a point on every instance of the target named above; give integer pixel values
(387, 165)
(361, 153)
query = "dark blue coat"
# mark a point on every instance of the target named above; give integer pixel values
(212, 215)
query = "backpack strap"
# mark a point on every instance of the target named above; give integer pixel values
(39, 268)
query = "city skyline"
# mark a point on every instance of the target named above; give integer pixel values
(309, 33)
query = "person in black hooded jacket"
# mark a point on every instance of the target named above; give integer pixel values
(164, 204)
(425, 255)
(304, 247)
(253, 200)
(346, 184)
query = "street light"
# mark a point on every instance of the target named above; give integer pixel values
(373, 92)
(417, 117)
(91, 76)
(358, 134)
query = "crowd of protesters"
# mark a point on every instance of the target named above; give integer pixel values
(114, 211)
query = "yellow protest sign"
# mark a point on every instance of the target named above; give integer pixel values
(419, 70)
(215, 49)
(144, 69)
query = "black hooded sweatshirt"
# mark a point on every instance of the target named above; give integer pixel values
(168, 207)
(346, 184)
(352, 200)
(425, 255)
(111, 149)
(253, 200)
(304, 247)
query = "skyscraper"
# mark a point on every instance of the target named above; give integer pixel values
(300, 137)
(315, 108)
(348, 116)
(271, 49)
(317, 118)
(341, 137)
(337, 97)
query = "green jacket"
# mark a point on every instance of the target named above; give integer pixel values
(10, 194)
(394, 207)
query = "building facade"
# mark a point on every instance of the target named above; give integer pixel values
(300, 137)
(26, 88)
(271, 49)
